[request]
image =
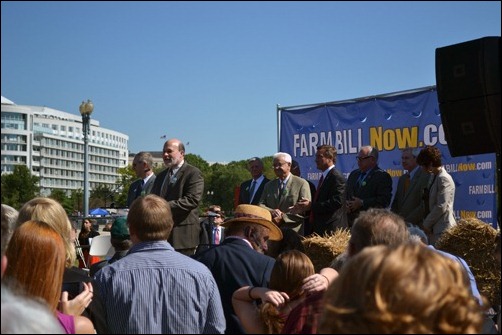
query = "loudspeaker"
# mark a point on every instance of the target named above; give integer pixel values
(468, 88)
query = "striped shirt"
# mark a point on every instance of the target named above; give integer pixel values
(155, 290)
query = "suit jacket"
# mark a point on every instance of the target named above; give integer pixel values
(235, 264)
(207, 232)
(441, 197)
(410, 205)
(184, 194)
(244, 194)
(376, 190)
(135, 188)
(328, 207)
(296, 188)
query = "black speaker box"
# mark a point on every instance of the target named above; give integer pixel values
(468, 88)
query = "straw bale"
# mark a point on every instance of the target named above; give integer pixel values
(474, 241)
(322, 250)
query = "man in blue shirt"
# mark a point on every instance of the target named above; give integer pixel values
(154, 289)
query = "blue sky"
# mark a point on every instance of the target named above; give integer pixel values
(212, 73)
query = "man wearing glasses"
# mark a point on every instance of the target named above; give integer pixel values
(281, 194)
(368, 186)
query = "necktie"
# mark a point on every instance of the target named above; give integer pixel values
(318, 187)
(251, 191)
(281, 188)
(407, 180)
(360, 181)
(140, 188)
(311, 216)
(163, 189)
(216, 235)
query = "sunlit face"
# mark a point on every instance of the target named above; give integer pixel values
(256, 169)
(259, 239)
(87, 225)
(281, 168)
(408, 161)
(139, 168)
(364, 160)
(322, 163)
(171, 154)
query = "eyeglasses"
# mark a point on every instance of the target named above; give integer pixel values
(362, 158)
(278, 164)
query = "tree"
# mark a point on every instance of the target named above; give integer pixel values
(100, 195)
(60, 196)
(19, 187)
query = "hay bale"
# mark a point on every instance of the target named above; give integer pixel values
(474, 241)
(322, 250)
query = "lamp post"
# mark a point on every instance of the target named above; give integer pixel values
(86, 109)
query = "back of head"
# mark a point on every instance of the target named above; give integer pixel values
(291, 240)
(120, 237)
(150, 219)
(408, 289)
(377, 226)
(23, 315)
(429, 156)
(37, 261)
(289, 271)
(9, 217)
(51, 212)
(295, 168)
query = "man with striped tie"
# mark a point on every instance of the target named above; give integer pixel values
(408, 199)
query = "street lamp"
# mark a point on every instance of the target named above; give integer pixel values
(86, 109)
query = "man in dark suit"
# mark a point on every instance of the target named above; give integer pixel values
(142, 165)
(368, 186)
(326, 208)
(250, 191)
(239, 260)
(182, 185)
(408, 198)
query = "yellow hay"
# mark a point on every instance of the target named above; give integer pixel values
(474, 241)
(322, 250)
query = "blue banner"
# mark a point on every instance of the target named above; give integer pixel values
(390, 123)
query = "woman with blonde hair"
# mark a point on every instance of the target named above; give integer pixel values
(408, 289)
(37, 262)
(76, 288)
(282, 295)
(51, 211)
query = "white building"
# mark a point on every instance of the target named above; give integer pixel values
(51, 144)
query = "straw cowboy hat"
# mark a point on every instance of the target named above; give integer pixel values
(255, 214)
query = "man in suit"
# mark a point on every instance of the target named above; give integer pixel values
(239, 260)
(250, 191)
(212, 232)
(182, 185)
(283, 193)
(326, 207)
(408, 198)
(368, 186)
(142, 165)
(307, 226)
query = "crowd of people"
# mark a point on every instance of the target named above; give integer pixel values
(175, 271)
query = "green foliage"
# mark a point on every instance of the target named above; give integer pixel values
(100, 196)
(19, 187)
(60, 196)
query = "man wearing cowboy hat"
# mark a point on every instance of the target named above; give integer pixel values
(239, 260)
